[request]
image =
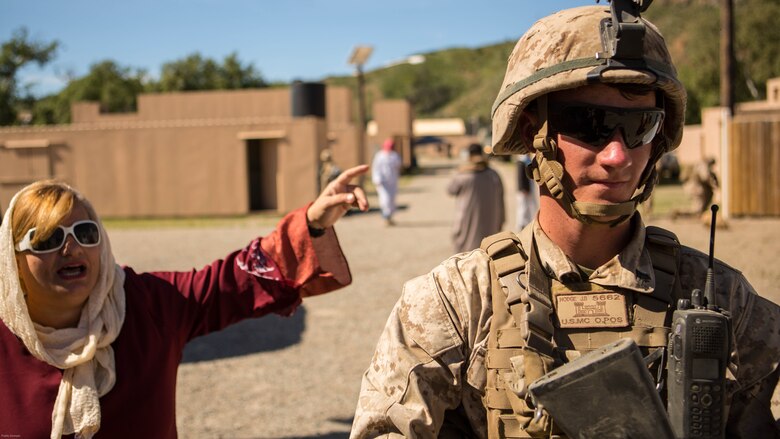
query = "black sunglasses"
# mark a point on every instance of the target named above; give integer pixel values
(595, 125)
(87, 234)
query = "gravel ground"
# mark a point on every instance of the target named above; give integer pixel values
(299, 377)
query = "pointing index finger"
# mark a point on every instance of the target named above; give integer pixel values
(347, 176)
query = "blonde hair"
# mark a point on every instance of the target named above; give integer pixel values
(43, 205)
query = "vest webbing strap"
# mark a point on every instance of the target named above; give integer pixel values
(502, 244)
(497, 399)
(664, 248)
(509, 264)
(510, 338)
(511, 428)
(529, 305)
(500, 358)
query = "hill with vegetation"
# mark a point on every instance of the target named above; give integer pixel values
(463, 82)
(455, 82)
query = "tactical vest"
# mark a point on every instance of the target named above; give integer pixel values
(525, 341)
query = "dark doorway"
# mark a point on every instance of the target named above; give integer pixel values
(261, 169)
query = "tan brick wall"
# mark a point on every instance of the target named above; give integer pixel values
(181, 154)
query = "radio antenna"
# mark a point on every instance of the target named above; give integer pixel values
(709, 285)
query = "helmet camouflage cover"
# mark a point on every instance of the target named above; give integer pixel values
(559, 51)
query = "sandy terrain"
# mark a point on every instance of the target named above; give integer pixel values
(299, 377)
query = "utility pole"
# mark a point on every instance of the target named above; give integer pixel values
(726, 95)
(362, 116)
(359, 57)
(727, 54)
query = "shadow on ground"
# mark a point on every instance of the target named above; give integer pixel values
(374, 210)
(251, 336)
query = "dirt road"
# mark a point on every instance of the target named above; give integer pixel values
(299, 377)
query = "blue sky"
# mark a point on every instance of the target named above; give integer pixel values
(284, 39)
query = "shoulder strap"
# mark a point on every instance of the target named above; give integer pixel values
(662, 242)
(664, 249)
(504, 244)
(529, 304)
(517, 351)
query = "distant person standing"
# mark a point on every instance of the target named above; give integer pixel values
(701, 185)
(527, 194)
(329, 170)
(385, 170)
(479, 201)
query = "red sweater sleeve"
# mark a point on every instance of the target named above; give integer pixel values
(316, 265)
(271, 274)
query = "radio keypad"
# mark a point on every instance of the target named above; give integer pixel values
(705, 409)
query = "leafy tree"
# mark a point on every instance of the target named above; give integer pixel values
(757, 48)
(16, 53)
(115, 88)
(692, 29)
(198, 73)
(236, 76)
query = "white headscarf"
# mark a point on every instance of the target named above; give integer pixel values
(84, 353)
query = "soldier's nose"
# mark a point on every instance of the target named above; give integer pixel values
(615, 153)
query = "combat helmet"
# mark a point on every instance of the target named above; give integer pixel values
(577, 47)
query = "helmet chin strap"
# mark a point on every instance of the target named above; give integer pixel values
(548, 171)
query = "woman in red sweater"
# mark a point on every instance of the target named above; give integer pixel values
(92, 349)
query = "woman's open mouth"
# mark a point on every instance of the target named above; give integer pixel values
(71, 272)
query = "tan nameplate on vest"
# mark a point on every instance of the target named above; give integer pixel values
(600, 310)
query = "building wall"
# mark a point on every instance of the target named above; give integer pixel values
(25, 160)
(690, 148)
(181, 154)
(754, 158)
(215, 105)
(343, 132)
(298, 157)
(344, 144)
(393, 119)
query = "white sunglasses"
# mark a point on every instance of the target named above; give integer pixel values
(86, 233)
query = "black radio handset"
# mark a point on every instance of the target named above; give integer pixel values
(699, 349)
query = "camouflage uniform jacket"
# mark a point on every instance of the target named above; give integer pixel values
(427, 376)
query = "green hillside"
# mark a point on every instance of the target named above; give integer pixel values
(463, 82)
(457, 82)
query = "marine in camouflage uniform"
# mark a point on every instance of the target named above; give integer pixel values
(465, 340)
(700, 185)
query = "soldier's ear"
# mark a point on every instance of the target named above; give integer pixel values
(527, 128)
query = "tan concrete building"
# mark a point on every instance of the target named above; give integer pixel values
(185, 154)
(392, 119)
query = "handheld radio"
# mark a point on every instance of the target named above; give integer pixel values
(699, 348)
